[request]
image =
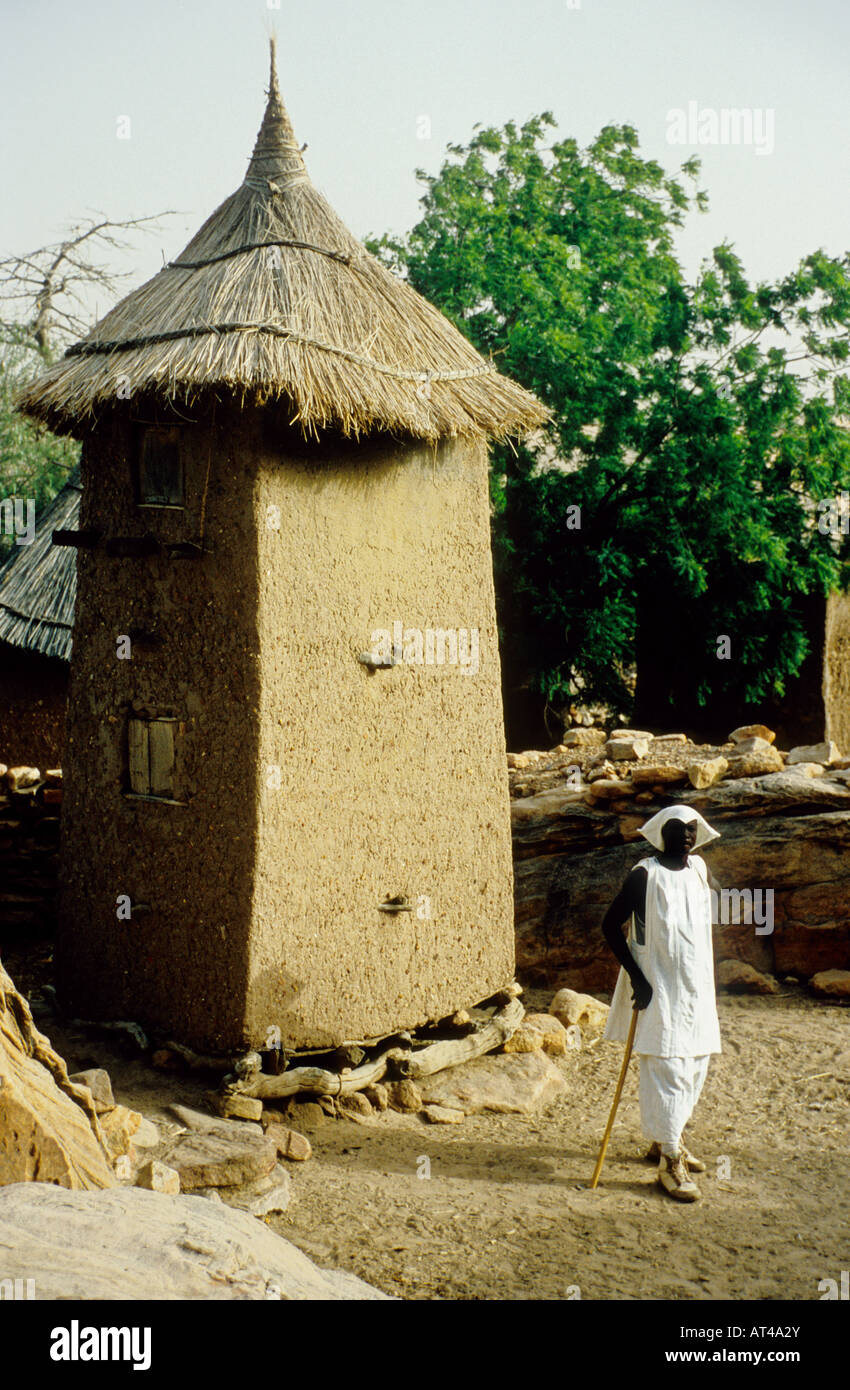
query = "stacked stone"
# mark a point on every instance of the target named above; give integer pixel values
(633, 764)
(784, 821)
(29, 849)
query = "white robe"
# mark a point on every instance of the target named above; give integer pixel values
(678, 960)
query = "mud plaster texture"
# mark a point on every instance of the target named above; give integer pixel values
(33, 690)
(836, 672)
(264, 898)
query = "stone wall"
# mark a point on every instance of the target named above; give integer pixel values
(786, 832)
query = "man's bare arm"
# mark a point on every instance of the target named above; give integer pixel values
(631, 898)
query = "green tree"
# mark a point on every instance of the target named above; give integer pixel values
(34, 464)
(695, 426)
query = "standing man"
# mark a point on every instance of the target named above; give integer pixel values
(669, 964)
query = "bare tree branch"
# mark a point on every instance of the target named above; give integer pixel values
(47, 279)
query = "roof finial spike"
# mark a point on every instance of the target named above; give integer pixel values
(273, 87)
(277, 156)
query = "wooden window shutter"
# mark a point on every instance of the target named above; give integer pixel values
(161, 757)
(139, 762)
(161, 468)
(151, 757)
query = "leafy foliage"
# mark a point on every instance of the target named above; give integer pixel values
(34, 464)
(695, 425)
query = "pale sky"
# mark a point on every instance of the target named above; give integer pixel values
(358, 76)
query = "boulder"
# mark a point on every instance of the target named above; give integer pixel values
(138, 1245)
(751, 745)
(49, 1130)
(288, 1142)
(553, 1031)
(147, 1135)
(377, 1095)
(235, 1106)
(608, 789)
(823, 753)
(784, 831)
(527, 1038)
(404, 1095)
(600, 770)
(626, 749)
(354, 1104)
(199, 1122)
(516, 1084)
(706, 773)
(755, 764)
(570, 1007)
(119, 1126)
(218, 1160)
(584, 738)
(523, 760)
(264, 1197)
(630, 734)
(658, 774)
(158, 1177)
(831, 984)
(747, 731)
(99, 1085)
(442, 1115)
(166, 1060)
(737, 977)
(309, 1114)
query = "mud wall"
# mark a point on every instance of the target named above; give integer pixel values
(33, 691)
(310, 788)
(836, 675)
(180, 962)
(393, 782)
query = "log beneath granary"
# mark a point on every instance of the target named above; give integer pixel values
(436, 1057)
(452, 1051)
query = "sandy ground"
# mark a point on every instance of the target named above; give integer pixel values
(490, 1209)
(500, 1216)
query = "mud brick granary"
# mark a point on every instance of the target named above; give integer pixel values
(284, 457)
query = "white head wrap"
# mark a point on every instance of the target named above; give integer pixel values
(651, 830)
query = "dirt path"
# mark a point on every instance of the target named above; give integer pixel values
(500, 1217)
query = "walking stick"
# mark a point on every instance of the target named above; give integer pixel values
(619, 1091)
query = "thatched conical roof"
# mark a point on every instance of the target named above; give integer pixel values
(38, 582)
(274, 298)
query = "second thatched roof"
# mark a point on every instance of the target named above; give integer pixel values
(38, 582)
(275, 299)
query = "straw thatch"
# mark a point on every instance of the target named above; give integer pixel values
(274, 298)
(38, 582)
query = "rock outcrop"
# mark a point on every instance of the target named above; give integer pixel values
(49, 1130)
(130, 1243)
(511, 1084)
(786, 834)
